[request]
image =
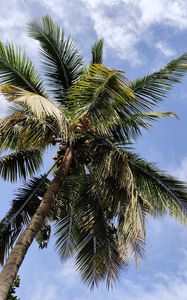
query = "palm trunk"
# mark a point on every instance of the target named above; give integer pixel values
(18, 253)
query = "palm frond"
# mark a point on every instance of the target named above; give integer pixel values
(115, 185)
(98, 97)
(83, 231)
(33, 123)
(102, 103)
(132, 225)
(158, 114)
(67, 215)
(61, 59)
(20, 213)
(23, 130)
(119, 170)
(153, 88)
(68, 234)
(17, 70)
(149, 90)
(132, 189)
(129, 128)
(43, 108)
(20, 164)
(98, 256)
(164, 193)
(97, 52)
(40, 106)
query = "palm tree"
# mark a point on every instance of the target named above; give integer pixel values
(101, 191)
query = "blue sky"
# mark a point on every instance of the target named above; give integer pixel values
(140, 37)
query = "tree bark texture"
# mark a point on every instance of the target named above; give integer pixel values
(19, 251)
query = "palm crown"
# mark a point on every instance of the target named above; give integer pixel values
(99, 214)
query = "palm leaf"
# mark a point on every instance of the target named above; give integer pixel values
(98, 256)
(20, 164)
(131, 189)
(153, 88)
(67, 213)
(61, 60)
(149, 90)
(164, 193)
(9, 139)
(16, 69)
(119, 171)
(132, 225)
(130, 128)
(33, 122)
(99, 96)
(67, 232)
(97, 52)
(23, 130)
(20, 213)
(158, 114)
(40, 106)
(83, 231)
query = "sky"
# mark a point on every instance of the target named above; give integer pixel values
(140, 36)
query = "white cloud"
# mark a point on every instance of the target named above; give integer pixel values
(124, 24)
(14, 16)
(165, 49)
(164, 286)
(118, 29)
(170, 12)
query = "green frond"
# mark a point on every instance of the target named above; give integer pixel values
(20, 164)
(61, 59)
(153, 88)
(164, 193)
(129, 128)
(97, 52)
(68, 234)
(102, 98)
(67, 214)
(100, 95)
(119, 172)
(149, 90)
(132, 189)
(22, 130)
(33, 122)
(98, 255)
(20, 213)
(99, 260)
(83, 231)
(16, 69)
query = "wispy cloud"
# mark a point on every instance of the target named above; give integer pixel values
(164, 286)
(14, 16)
(165, 49)
(124, 24)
